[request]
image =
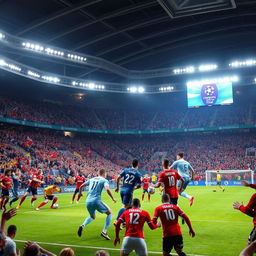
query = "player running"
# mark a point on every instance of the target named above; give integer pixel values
(48, 195)
(172, 235)
(184, 169)
(134, 220)
(146, 184)
(80, 179)
(94, 202)
(6, 184)
(218, 178)
(249, 209)
(168, 179)
(131, 181)
(16, 183)
(36, 182)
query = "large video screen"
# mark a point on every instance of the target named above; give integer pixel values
(209, 94)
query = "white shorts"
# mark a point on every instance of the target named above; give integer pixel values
(134, 244)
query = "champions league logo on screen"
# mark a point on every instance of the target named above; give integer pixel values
(209, 94)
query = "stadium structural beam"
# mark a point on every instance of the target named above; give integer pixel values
(56, 16)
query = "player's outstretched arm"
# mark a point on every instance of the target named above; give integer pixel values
(247, 184)
(187, 220)
(249, 250)
(81, 188)
(117, 184)
(42, 250)
(248, 209)
(110, 194)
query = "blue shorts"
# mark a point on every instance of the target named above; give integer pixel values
(186, 182)
(15, 192)
(145, 190)
(5, 192)
(32, 190)
(93, 206)
(126, 197)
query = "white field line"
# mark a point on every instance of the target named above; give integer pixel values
(45, 208)
(94, 247)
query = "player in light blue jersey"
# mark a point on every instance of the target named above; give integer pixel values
(186, 171)
(94, 202)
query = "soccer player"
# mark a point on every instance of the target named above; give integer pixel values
(184, 169)
(168, 179)
(131, 181)
(48, 195)
(36, 182)
(6, 184)
(154, 178)
(134, 220)
(80, 179)
(146, 183)
(218, 178)
(94, 202)
(249, 209)
(172, 235)
(15, 187)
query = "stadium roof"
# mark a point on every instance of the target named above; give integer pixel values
(133, 34)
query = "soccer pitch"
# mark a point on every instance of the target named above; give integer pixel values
(220, 230)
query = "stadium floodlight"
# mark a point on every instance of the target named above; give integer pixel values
(33, 74)
(51, 79)
(166, 89)
(208, 67)
(245, 63)
(76, 57)
(135, 89)
(190, 69)
(33, 47)
(51, 51)
(91, 85)
(213, 80)
(3, 63)
(2, 36)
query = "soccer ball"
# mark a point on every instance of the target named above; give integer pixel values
(151, 190)
(55, 206)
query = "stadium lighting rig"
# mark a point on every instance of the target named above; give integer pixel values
(91, 85)
(2, 36)
(190, 69)
(10, 66)
(33, 74)
(245, 63)
(166, 89)
(209, 67)
(135, 89)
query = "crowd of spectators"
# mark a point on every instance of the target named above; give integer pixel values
(79, 116)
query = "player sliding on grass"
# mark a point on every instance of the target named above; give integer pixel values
(48, 195)
(172, 235)
(146, 184)
(184, 169)
(168, 179)
(249, 209)
(94, 202)
(37, 180)
(131, 181)
(134, 220)
(80, 179)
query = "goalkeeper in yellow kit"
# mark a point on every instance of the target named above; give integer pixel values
(218, 186)
(48, 195)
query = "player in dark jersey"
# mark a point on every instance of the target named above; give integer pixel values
(134, 220)
(172, 235)
(36, 182)
(80, 180)
(131, 180)
(15, 187)
(249, 209)
(168, 179)
(146, 183)
(6, 184)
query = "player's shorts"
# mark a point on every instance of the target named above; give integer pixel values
(154, 182)
(172, 241)
(49, 197)
(126, 197)
(93, 206)
(252, 236)
(186, 182)
(5, 192)
(174, 200)
(134, 243)
(145, 190)
(219, 183)
(15, 192)
(32, 190)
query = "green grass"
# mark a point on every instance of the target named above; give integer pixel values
(220, 230)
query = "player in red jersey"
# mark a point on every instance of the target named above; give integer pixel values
(80, 180)
(172, 235)
(146, 183)
(168, 180)
(134, 220)
(249, 209)
(36, 182)
(6, 184)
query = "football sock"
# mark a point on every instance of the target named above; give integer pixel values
(73, 197)
(22, 200)
(14, 200)
(54, 201)
(120, 213)
(185, 195)
(143, 196)
(149, 197)
(87, 221)
(32, 200)
(42, 204)
(78, 198)
(107, 223)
